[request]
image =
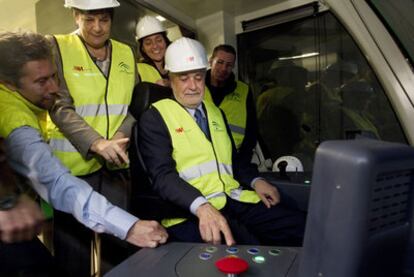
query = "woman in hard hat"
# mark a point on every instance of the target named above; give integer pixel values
(153, 41)
(97, 77)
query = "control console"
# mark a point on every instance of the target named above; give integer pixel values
(189, 259)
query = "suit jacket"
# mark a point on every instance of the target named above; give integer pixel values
(156, 149)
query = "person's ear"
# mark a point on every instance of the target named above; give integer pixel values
(76, 17)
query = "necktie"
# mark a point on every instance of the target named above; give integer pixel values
(202, 122)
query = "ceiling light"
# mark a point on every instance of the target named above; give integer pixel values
(307, 55)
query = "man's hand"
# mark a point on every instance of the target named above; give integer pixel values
(211, 224)
(267, 193)
(120, 135)
(112, 150)
(22, 222)
(146, 233)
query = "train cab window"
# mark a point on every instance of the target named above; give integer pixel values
(311, 83)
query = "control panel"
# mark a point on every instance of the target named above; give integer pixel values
(191, 259)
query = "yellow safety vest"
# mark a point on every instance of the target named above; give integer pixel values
(148, 73)
(102, 102)
(234, 107)
(18, 112)
(205, 165)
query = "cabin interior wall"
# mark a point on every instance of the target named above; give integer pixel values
(210, 31)
(229, 34)
(53, 18)
(18, 14)
(215, 29)
(165, 8)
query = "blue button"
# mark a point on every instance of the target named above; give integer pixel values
(253, 251)
(205, 256)
(232, 250)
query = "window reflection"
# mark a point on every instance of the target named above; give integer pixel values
(311, 83)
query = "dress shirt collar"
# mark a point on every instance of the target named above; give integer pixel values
(192, 111)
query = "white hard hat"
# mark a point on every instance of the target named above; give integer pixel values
(293, 164)
(185, 54)
(87, 5)
(148, 25)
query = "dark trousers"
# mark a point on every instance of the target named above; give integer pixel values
(26, 259)
(255, 224)
(72, 240)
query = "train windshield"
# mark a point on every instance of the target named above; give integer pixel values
(311, 83)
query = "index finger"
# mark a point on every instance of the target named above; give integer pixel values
(228, 237)
(122, 140)
(275, 197)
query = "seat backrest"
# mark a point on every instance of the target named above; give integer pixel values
(144, 95)
(145, 203)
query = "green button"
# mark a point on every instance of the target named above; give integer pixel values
(259, 259)
(211, 249)
(274, 252)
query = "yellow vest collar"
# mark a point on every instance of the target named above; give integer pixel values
(35, 109)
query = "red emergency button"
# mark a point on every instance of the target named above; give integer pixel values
(232, 265)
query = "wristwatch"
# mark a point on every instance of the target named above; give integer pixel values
(9, 201)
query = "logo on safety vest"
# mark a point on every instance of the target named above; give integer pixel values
(80, 68)
(179, 130)
(235, 96)
(123, 67)
(216, 126)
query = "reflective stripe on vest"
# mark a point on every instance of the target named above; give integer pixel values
(64, 145)
(102, 102)
(99, 110)
(198, 171)
(148, 73)
(234, 107)
(206, 165)
(237, 129)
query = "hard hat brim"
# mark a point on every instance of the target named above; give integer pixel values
(84, 8)
(172, 70)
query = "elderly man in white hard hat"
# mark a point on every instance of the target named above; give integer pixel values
(187, 148)
(97, 76)
(153, 41)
